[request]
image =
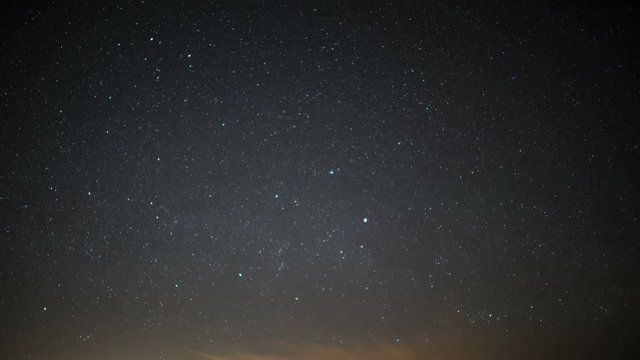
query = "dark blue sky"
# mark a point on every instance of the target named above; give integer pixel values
(211, 176)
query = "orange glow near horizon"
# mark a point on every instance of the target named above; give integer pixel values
(448, 344)
(321, 352)
(452, 346)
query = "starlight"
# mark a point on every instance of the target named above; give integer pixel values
(341, 181)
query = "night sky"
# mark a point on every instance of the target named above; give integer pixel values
(319, 180)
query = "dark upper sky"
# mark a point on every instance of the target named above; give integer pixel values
(412, 179)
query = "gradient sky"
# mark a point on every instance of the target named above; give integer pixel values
(317, 180)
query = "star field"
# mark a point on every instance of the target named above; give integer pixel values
(407, 180)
